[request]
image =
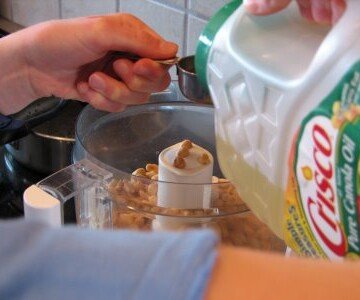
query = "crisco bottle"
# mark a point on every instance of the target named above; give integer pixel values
(287, 100)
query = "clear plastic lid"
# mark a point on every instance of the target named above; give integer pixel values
(131, 139)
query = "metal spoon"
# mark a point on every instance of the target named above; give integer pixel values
(188, 82)
(134, 57)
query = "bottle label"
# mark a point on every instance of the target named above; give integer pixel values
(323, 193)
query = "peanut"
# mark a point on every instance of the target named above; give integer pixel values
(152, 189)
(150, 174)
(187, 144)
(152, 168)
(179, 163)
(152, 199)
(141, 172)
(183, 152)
(204, 159)
(144, 196)
(215, 179)
(223, 180)
(128, 187)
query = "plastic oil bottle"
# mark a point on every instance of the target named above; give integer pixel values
(287, 114)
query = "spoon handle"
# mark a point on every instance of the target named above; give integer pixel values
(134, 57)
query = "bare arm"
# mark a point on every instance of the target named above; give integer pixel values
(69, 59)
(16, 90)
(245, 274)
(321, 11)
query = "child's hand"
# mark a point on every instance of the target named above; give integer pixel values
(321, 11)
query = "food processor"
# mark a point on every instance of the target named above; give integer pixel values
(110, 146)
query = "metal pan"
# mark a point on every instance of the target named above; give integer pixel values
(20, 124)
(47, 146)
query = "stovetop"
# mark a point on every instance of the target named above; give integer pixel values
(14, 179)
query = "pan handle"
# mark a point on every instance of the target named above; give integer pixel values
(12, 128)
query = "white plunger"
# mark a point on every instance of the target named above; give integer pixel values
(184, 180)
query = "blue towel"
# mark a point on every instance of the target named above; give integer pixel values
(38, 262)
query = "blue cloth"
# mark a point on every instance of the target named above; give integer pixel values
(38, 262)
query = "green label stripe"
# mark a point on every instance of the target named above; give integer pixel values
(347, 178)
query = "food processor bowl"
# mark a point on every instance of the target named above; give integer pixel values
(110, 146)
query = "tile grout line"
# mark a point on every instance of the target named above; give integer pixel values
(170, 5)
(117, 8)
(186, 9)
(11, 11)
(186, 28)
(60, 9)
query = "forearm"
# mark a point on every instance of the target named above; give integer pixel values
(245, 274)
(16, 90)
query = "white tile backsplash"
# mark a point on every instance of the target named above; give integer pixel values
(179, 3)
(77, 8)
(180, 21)
(195, 27)
(29, 12)
(167, 21)
(206, 8)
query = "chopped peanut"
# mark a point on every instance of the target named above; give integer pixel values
(152, 168)
(150, 174)
(152, 189)
(186, 144)
(139, 172)
(129, 188)
(204, 159)
(183, 152)
(215, 179)
(135, 206)
(179, 163)
(223, 180)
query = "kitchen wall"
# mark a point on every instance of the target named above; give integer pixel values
(178, 20)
